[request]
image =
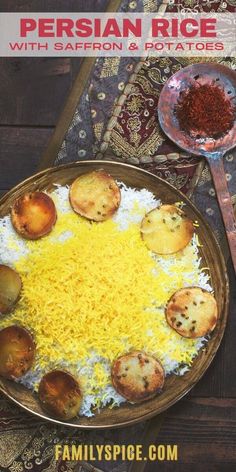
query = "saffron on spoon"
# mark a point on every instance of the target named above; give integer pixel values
(204, 110)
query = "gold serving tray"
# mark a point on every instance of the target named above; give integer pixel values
(175, 387)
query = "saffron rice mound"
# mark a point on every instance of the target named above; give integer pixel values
(92, 292)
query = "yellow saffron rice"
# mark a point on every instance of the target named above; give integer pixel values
(100, 292)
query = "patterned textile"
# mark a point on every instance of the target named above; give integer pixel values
(108, 80)
(27, 443)
(201, 6)
(135, 136)
(116, 116)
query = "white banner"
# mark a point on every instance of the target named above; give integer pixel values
(117, 34)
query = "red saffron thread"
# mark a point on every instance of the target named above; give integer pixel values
(204, 110)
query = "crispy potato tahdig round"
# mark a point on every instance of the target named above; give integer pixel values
(60, 394)
(166, 229)
(10, 287)
(95, 195)
(17, 351)
(33, 215)
(192, 312)
(137, 376)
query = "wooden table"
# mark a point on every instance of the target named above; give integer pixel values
(32, 94)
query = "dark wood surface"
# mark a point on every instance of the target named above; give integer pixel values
(32, 94)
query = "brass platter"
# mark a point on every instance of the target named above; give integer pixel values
(175, 387)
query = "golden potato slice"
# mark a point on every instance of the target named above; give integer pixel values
(137, 376)
(33, 215)
(166, 230)
(95, 196)
(17, 351)
(10, 287)
(60, 394)
(192, 312)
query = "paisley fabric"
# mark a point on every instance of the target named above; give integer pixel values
(199, 6)
(27, 443)
(135, 136)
